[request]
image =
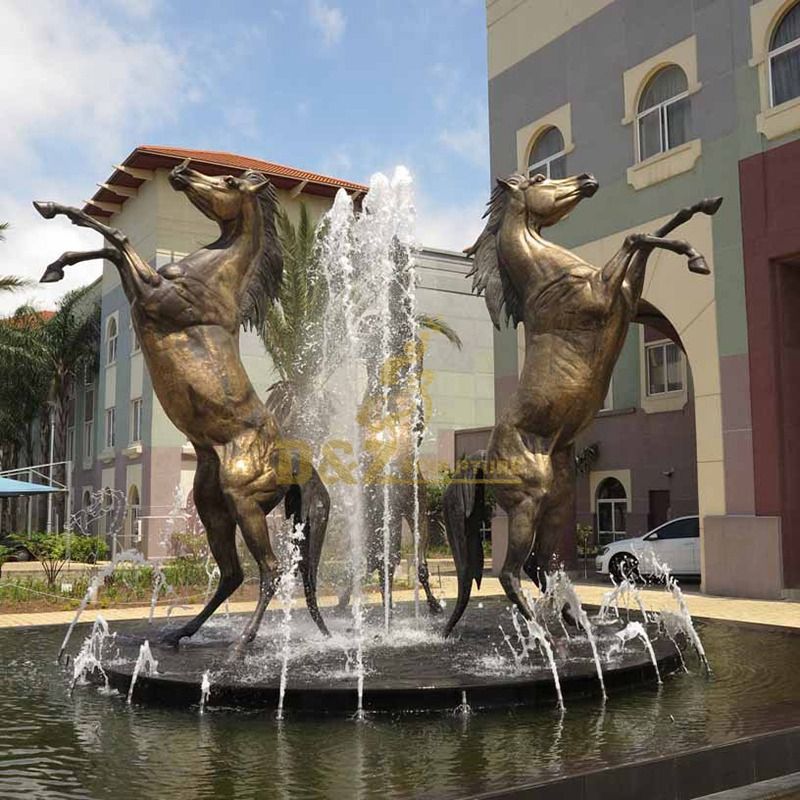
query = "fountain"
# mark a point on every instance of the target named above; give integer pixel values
(362, 425)
(381, 659)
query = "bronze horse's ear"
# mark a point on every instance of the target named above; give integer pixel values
(505, 183)
(256, 181)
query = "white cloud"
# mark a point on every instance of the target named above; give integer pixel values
(71, 73)
(471, 143)
(329, 21)
(78, 89)
(446, 226)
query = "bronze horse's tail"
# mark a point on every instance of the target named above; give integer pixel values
(464, 505)
(310, 505)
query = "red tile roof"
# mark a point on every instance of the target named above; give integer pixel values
(151, 157)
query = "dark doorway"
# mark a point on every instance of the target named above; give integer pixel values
(658, 512)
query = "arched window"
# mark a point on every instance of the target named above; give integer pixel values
(111, 340)
(612, 504)
(784, 58)
(663, 118)
(547, 155)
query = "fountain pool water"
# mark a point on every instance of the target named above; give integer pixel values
(53, 746)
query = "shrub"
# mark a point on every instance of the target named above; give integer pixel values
(53, 550)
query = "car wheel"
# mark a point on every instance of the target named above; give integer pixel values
(624, 566)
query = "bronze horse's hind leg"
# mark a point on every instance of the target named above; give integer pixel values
(220, 525)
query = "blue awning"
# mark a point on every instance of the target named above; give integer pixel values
(12, 488)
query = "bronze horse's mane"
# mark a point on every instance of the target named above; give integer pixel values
(264, 283)
(488, 274)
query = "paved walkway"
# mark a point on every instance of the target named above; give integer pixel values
(762, 612)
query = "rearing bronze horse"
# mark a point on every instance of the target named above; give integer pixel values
(576, 317)
(187, 316)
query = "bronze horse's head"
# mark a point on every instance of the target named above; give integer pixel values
(546, 201)
(221, 198)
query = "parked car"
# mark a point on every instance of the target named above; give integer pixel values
(675, 543)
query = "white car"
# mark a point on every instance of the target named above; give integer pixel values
(675, 543)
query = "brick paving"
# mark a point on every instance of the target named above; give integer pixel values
(761, 612)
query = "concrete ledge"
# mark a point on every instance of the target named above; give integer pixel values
(785, 788)
(742, 556)
(681, 776)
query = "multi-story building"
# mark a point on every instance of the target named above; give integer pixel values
(666, 103)
(120, 437)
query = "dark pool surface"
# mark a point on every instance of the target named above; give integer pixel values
(94, 746)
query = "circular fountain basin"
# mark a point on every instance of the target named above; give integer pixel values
(410, 669)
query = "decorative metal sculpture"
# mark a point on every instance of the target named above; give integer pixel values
(187, 316)
(576, 317)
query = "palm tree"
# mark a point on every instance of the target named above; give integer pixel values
(10, 283)
(292, 330)
(41, 358)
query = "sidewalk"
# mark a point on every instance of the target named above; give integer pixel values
(759, 612)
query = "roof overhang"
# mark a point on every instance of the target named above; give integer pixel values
(141, 164)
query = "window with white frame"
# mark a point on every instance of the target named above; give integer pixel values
(112, 336)
(665, 368)
(88, 375)
(663, 118)
(612, 507)
(111, 425)
(135, 347)
(88, 424)
(784, 58)
(548, 156)
(136, 420)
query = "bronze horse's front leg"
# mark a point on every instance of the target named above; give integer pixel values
(141, 270)
(55, 271)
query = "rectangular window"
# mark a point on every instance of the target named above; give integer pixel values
(664, 368)
(111, 420)
(88, 440)
(70, 454)
(134, 341)
(136, 420)
(88, 375)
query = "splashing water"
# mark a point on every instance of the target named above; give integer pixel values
(560, 593)
(635, 630)
(367, 264)
(286, 589)
(625, 591)
(680, 621)
(145, 664)
(530, 635)
(89, 658)
(463, 709)
(205, 691)
(130, 556)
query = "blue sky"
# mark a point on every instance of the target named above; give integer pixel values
(345, 87)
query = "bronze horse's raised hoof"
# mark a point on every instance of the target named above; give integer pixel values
(576, 317)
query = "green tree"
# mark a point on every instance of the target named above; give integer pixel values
(10, 283)
(292, 329)
(41, 359)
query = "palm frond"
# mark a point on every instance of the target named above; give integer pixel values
(4, 226)
(434, 324)
(10, 283)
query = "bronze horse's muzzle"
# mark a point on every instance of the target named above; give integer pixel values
(589, 184)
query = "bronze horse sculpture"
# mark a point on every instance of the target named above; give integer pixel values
(187, 316)
(576, 317)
